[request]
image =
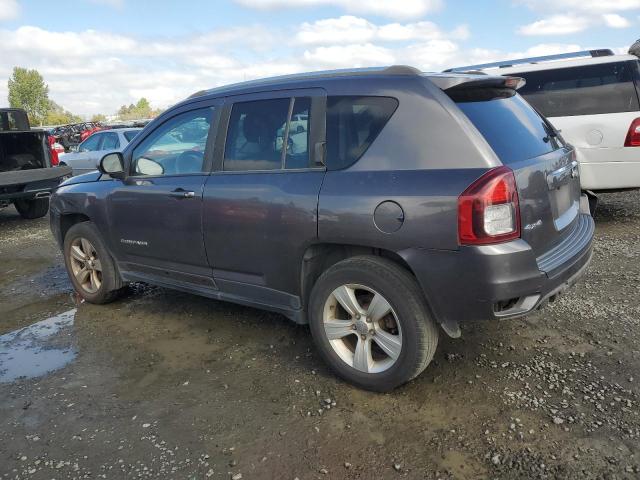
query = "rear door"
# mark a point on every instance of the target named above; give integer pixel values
(85, 160)
(261, 203)
(545, 168)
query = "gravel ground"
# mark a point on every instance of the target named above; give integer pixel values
(167, 385)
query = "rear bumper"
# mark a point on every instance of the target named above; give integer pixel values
(499, 281)
(610, 175)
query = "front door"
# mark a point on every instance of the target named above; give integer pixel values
(157, 212)
(260, 204)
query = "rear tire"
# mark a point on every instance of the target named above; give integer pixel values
(34, 208)
(398, 346)
(90, 266)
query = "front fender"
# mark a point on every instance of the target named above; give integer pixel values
(81, 201)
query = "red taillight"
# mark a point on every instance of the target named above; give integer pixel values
(55, 160)
(488, 211)
(633, 135)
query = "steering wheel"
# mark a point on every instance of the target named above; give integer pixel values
(189, 162)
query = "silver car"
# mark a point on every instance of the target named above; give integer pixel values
(88, 154)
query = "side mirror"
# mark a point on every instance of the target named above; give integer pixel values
(112, 164)
(73, 148)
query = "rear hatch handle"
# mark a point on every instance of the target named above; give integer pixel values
(562, 175)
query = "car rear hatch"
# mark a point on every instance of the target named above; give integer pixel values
(544, 166)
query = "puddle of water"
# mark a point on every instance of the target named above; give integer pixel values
(38, 349)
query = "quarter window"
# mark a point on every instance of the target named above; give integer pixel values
(353, 123)
(586, 90)
(175, 148)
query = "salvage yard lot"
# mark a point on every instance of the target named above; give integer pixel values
(162, 384)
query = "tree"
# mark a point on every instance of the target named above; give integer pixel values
(59, 116)
(142, 109)
(99, 117)
(28, 91)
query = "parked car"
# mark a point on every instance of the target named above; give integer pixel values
(27, 161)
(87, 155)
(591, 97)
(421, 200)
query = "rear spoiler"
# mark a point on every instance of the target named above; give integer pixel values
(448, 81)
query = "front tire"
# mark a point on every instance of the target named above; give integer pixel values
(90, 267)
(32, 209)
(370, 322)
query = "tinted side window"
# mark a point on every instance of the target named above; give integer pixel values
(298, 139)
(176, 147)
(256, 135)
(514, 130)
(130, 134)
(91, 144)
(586, 90)
(110, 141)
(353, 123)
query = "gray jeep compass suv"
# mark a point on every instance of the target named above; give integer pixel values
(399, 202)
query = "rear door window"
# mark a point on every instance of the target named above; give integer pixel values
(130, 134)
(585, 90)
(110, 141)
(514, 130)
(259, 130)
(91, 144)
(353, 123)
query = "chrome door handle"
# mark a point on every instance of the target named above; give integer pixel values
(180, 193)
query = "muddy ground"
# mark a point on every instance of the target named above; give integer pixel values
(168, 385)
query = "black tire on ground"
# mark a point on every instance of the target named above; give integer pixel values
(34, 208)
(111, 283)
(400, 289)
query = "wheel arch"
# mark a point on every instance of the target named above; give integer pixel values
(319, 257)
(68, 220)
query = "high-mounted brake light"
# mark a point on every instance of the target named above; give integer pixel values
(633, 135)
(488, 211)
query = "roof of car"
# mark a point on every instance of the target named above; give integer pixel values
(550, 65)
(548, 62)
(297, 77)
(441, 80)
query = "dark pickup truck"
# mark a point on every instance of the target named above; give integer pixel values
(28, 166)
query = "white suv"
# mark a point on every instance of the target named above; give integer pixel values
(592, 98)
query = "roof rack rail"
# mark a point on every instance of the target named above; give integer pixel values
(389, 70)
(604, 52)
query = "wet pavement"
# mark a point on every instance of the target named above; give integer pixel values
(162, 384)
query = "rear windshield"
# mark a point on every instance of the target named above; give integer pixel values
(514, 130)
(586, 90)
(353, 123)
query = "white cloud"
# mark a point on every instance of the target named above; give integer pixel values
(350, 29)
(119, 4)
(386, 8)
(556, 25)
(614, 20)
(9, 9)
(582, 6)
(350, 56)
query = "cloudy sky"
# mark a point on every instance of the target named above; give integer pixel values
(99, 54)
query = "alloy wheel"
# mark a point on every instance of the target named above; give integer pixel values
(362, 328)
(85, 265)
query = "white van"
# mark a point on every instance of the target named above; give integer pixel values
(592, 98)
